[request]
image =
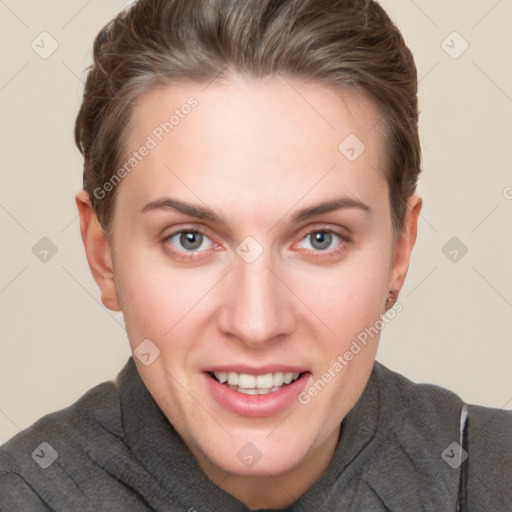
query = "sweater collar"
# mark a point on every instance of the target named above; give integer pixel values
(159, 448)
(388, 444)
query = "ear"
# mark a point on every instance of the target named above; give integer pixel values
(404, 245)
(97, 251)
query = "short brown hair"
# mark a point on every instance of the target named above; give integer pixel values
(341, 43)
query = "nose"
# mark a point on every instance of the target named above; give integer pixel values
(257, 308)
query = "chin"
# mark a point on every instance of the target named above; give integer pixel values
(259, 457)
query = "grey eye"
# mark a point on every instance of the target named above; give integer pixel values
(190, 241)
(320, 240)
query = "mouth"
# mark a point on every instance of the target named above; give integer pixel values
(256, 393)
(256, 384)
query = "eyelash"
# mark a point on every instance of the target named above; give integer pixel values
(187, 255)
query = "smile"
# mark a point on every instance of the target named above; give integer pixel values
(255, 384)
(256, 392)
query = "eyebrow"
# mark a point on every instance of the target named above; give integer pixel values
(200, 212)
(331, 206)
(205, 213)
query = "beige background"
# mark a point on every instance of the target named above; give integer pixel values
(58, 340)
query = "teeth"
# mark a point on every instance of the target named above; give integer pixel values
(255, 391)
(222, 376)
(256, 384)
(263, 381)
(246, 381)
(248, 391)
(278, 379)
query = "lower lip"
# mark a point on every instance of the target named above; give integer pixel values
(256, 405)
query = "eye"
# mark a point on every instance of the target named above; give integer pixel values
(321, 240)
(190, 241)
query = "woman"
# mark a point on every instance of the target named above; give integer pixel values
(250, 205)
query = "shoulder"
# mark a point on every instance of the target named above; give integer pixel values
(418, 402)
(34, 468)
(95, 412)
(489, 461)
(493, 426)
(432, 416)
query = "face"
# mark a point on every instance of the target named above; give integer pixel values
(248, 246)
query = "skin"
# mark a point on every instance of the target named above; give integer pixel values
(255, 152)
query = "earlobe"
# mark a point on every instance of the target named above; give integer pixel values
(97, 250)
(405, 245)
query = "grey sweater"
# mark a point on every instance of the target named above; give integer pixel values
(114, 450)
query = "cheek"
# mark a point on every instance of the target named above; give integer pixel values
(350, 304)
(158, 301)
(348, 297)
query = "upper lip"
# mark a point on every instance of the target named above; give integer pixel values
(255, 370)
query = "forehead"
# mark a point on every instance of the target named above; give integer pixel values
(245, 139)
